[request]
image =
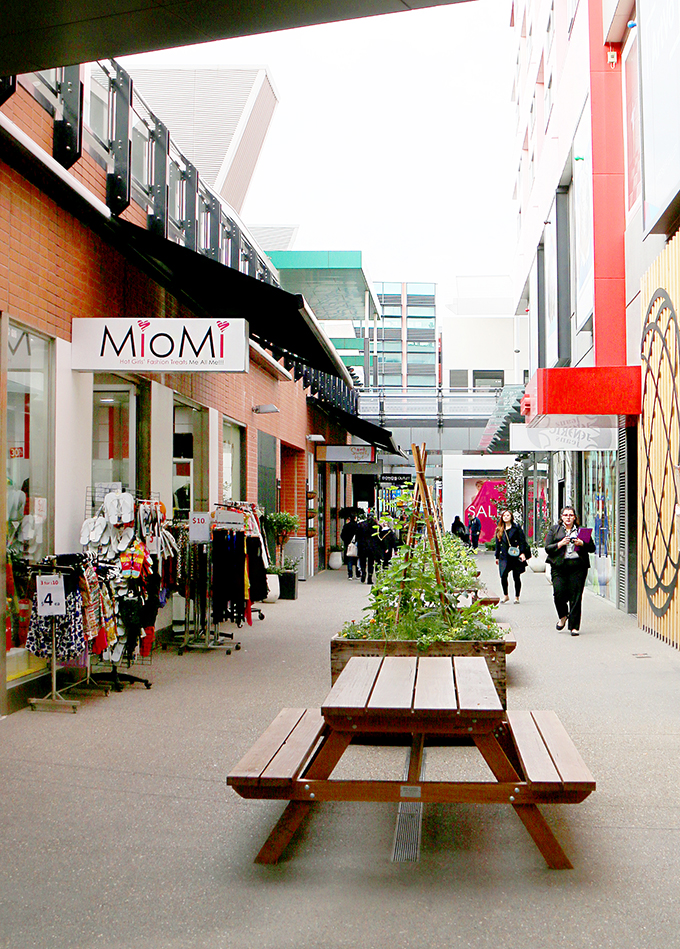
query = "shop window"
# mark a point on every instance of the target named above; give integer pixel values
(29, 482)
(232, 462)
(113, 440)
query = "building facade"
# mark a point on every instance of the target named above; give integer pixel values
(98, 224)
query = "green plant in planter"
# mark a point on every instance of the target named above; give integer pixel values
(336, 548)
(282, 525)
(409, 588)
(475, 622)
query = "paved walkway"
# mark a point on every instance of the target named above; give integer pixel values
(118, 831)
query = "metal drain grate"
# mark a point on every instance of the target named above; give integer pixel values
(408, 831)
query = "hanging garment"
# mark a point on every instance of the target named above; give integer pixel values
(256, 569)
(228, 580)
(92, 601)
(69, 631)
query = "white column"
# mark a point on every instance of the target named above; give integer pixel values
(161, 443)
(72, 448)
(214, 448)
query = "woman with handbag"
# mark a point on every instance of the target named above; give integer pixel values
(567, 546)
(512, 553)
(349, 539)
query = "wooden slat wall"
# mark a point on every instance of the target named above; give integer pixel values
(659, 450)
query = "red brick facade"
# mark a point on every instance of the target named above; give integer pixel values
(53, 268)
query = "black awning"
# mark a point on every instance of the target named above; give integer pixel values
(212, 290)
(366, 431)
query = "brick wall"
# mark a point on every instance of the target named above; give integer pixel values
(53, 268)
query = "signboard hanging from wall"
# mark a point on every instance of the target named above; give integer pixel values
(345, 453)
(159, 345)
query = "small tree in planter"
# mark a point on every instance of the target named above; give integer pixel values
(282, 525)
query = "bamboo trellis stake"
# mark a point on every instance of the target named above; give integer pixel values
(422, 499)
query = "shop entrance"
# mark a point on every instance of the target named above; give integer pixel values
(114, 427)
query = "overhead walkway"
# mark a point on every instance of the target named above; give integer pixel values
(445, 419)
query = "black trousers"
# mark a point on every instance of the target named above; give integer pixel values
(569, 580)
(366, 565)
(514, 569)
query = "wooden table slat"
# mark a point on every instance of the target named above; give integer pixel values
(536, 761)
(297, 748)
(251, 766)
(474, 684)
(434, 684)
(394, 686)
(354, 684)
(569, 763)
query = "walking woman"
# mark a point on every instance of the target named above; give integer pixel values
(512, 553)
(567, 548)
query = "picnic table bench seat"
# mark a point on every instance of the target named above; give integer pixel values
(547, 756)
(279, 755)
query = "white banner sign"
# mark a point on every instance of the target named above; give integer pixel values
(523, 438)
(160, 345)
(199, 527)
(235, 520)
(50, 595)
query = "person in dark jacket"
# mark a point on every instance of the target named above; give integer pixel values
(475, 529)
(388, 543)
(348, 536)
(370, 548)
(569, 562)
(512, 553)
(458, 530)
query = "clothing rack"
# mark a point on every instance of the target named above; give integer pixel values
(200, 629)
(54, 701)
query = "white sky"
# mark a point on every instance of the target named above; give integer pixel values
(393, 135)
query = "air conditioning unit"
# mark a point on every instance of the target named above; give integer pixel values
(296, 548)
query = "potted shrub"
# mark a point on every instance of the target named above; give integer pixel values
(335, 559)
(282, 524)
(288, 579)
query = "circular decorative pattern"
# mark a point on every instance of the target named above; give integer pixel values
(659, 452)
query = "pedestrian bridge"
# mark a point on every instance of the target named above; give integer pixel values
(445, 419)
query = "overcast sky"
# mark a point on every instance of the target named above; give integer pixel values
(393, 136)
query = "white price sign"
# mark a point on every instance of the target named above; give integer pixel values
(235, 520)
(199, 527)
(51, 596)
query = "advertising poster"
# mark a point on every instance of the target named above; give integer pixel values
(483, 498)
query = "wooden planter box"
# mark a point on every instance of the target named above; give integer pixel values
(493, 650)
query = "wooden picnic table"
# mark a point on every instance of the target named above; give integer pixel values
(430, 700)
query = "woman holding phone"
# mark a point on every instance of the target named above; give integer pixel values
(567, 546)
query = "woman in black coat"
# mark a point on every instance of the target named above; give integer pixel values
(512, 553)
(569, 563)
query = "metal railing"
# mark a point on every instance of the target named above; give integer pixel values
(426, 403)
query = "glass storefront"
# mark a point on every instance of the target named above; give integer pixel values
(29, 484)
(599, 512)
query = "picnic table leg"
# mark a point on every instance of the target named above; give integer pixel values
(415, 761)
(295, 812)
(529, 814)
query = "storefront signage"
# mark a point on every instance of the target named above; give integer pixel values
(525, 438)
(345, 453)
(50, 595)
(396, 479)
(160, 345)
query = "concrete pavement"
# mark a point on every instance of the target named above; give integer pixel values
(119, 833)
